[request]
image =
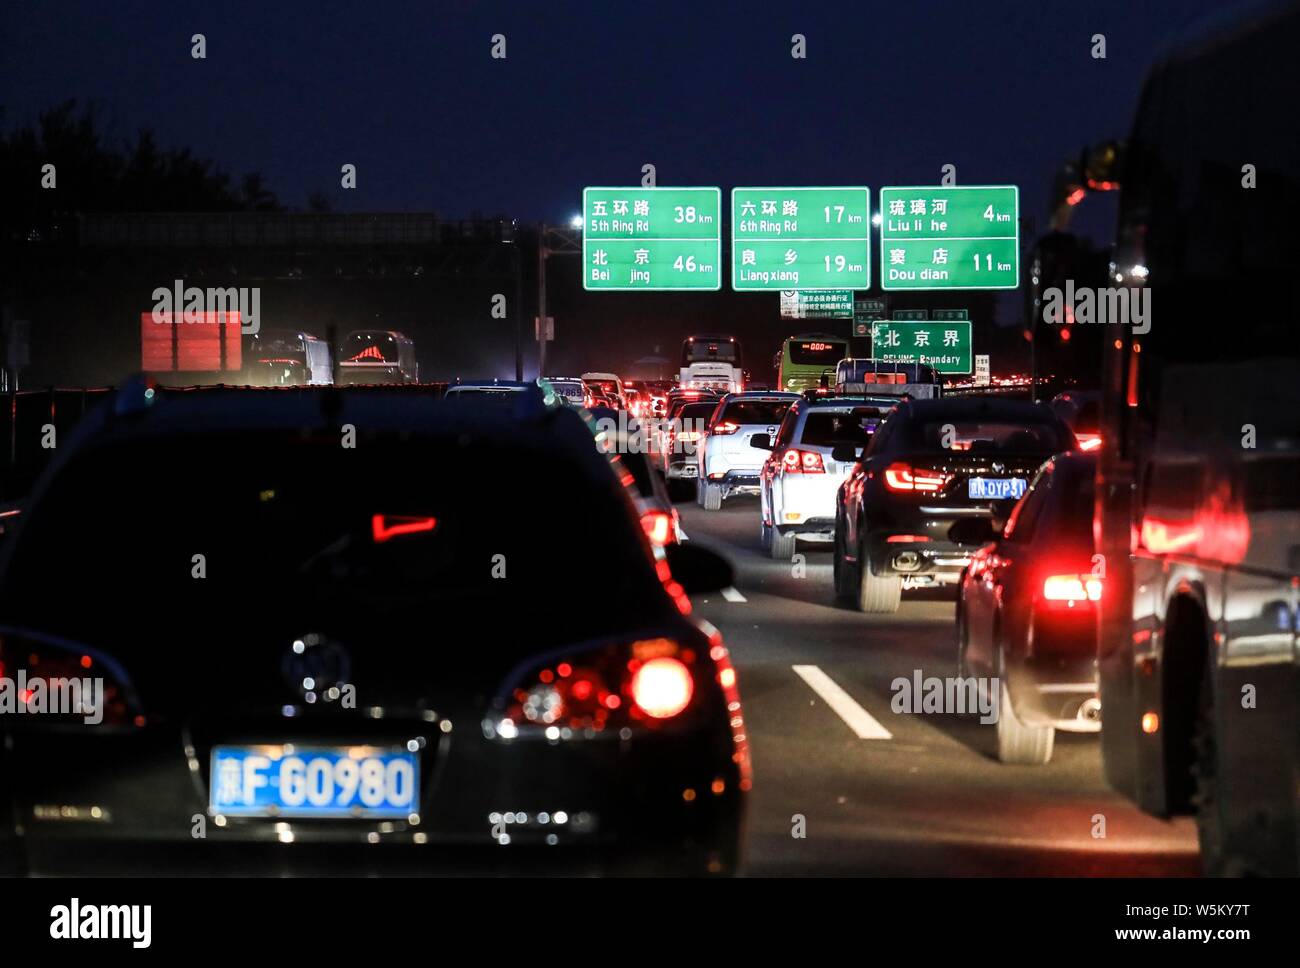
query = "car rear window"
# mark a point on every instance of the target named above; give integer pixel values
(987, 436)
(330, 533)
(755, 411)
(826, 428)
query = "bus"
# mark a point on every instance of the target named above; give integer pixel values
(283, 357)
(377, 356)
(806, 358)
(1198, 507)
(712, 363)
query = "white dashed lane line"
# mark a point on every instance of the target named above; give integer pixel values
(863, 724)
(732, 595)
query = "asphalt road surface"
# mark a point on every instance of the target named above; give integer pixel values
(886, 793)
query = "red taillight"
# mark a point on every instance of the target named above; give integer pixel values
(386, 526)
(905, 477)
(802, 462)
(1088, 441)
(725, 428)
(658, 527)
(1072, 588)
(662, 687)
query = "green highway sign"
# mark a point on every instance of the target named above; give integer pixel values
(819, 304)
(950, 237)
(912, 314)
(800, 238)
(946, 346)
(651, 239)
(948, 315)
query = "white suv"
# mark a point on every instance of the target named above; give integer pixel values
(809, 460)
(728, 461)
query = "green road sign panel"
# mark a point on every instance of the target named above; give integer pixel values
(651, 239)
(800, 238)
(869, 305)
(819, 304)
(912, 314)
(944, 346)
(947, 315)
(953, 237)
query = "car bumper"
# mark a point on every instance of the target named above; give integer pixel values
(135, 806)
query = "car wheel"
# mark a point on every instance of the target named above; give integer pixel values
(842, 571)
(712, 500)
(782, 546)
(1019, 742)
(877, 594)
(1215, 861)
(765, 536)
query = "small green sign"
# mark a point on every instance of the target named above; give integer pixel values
(950, 237)
(912, 314)
(651, 239)
(948, 315)
(946, 346)
(800, 238)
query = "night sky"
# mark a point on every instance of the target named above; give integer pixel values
(590, 91)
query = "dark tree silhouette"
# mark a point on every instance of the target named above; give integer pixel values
(94, 175)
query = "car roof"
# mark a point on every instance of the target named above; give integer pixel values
(848, 401)
(760, 395)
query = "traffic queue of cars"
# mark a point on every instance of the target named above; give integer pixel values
(357, 657)
(987, 496)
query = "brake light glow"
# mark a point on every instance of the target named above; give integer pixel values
(802, 462)
(1088, 441)
(658, 527)
(725, 428)
(905, 477)
(662, 687)
(386, 526)
(1072, 588)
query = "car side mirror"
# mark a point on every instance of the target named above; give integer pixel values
(973, 531)
(697, 569)
(761, 441)
(845, 453)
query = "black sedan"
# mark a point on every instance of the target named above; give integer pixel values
(335, 630)
(932, 464)
(1027, 613)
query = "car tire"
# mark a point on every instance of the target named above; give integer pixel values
(877, 594)
(782, 546)
(841, 571)
(1208, 804)
(1019, 743)
(765, 536)
(712, 499)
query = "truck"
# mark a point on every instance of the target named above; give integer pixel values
(712, 363)
(1198, 500)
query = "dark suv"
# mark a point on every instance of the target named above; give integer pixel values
(932, 464)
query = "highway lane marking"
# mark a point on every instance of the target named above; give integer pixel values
(858, 719)
(732, 595)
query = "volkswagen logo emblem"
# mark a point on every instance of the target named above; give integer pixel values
(313, 665)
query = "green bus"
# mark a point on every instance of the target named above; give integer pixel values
(805, 358)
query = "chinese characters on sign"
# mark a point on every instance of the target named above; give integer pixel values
(824, 304)
(946, 346)
(800, 238)
(950, 237)
(652, 238)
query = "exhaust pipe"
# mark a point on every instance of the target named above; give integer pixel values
(907, 561)
(1090, 711)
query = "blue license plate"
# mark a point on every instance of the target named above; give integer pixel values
(995, 488)
(300, 781)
